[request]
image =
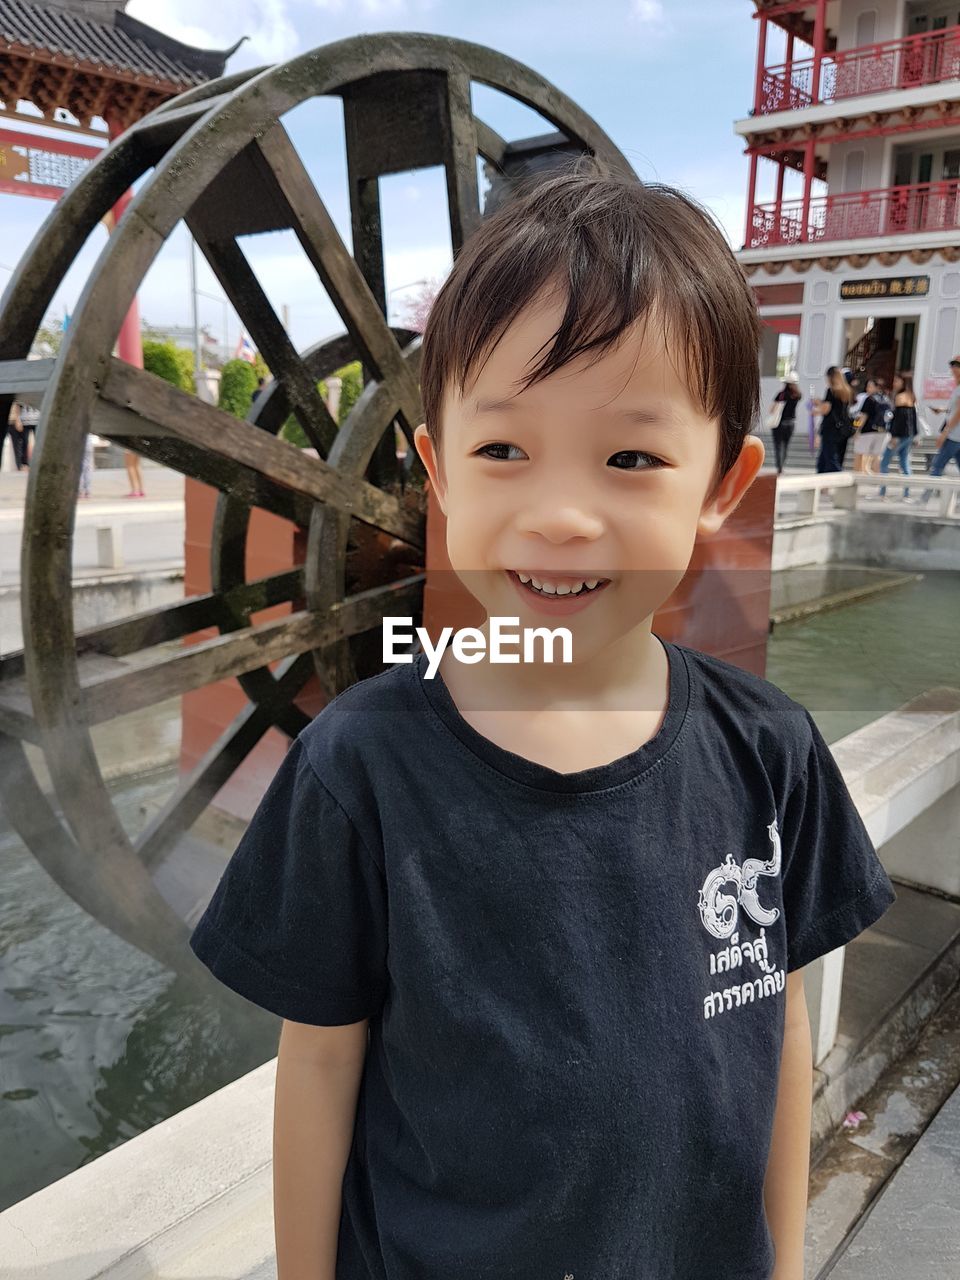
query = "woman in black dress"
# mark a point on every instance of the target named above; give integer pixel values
(789, 397)
(835, 426)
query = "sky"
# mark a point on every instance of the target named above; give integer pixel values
(665, 79)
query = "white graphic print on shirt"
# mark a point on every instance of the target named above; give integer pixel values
(720, 913)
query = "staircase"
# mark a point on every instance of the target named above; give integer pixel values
(875, 354)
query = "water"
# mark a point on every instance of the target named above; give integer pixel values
(98, 1043)
(850, 665)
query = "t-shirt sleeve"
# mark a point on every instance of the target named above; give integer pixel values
(298, 921)
(834, 885)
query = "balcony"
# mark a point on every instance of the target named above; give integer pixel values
(888, 211)
(929, 58)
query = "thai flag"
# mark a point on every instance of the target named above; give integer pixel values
(245, 350)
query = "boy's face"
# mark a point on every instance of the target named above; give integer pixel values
(599, 471)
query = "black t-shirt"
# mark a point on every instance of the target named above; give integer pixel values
(903, 424)
(837, 421)
(575, 982)
(875, 409)
(788, 417)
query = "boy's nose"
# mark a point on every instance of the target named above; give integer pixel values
(559, 522)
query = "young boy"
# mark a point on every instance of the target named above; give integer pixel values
(571, 902)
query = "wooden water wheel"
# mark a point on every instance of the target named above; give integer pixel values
(220, 158)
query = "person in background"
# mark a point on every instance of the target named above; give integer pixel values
(870, 423)
(789, 397)
(834, 420)
(948, 441)
(18, 436)
(258, 390)
(903, 428)
(131, 461)
(30, 416)
(846, 430)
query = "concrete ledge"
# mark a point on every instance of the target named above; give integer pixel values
(851, 1070)
(190, 1199)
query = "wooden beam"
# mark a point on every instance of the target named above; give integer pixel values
(185, 417)
(340, 275)
(130, 687)
(239, 282)
(199, 787)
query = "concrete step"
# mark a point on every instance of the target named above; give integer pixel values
(895, 1178)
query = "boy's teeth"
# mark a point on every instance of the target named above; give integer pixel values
(557, 588)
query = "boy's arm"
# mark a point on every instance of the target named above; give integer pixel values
(788, 1169)
(318, 1080)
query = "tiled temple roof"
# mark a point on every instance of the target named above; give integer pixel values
(36, 37)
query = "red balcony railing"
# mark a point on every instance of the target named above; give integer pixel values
(928, 58)
(928, 206)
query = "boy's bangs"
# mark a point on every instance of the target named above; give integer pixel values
(621, 252)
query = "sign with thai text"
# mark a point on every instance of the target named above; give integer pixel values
(938, 387)
(885, 287)
(31, 165)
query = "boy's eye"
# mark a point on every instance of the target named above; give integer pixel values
(500, 444)
(627, 463)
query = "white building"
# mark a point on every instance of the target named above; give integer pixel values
(852, 239)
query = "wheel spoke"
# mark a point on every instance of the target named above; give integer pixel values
(460, 143)
(198, 788)
(239, 282)
(339, 273)
(178, 414)
(159, 626)
(111, 688)
(243, 482)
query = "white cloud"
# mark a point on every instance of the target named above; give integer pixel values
(650, 11)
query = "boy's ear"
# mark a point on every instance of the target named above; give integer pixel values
(428, 456)
(732, 487)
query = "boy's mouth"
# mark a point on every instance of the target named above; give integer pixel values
(554, 586)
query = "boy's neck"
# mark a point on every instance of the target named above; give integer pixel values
(627, 674)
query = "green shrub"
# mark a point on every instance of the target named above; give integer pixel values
(238, 381)
(187, 362)
(170, 362)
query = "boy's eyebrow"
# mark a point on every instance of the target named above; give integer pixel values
(640, 415)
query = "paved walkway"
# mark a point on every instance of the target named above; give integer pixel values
(914, 1227)
(149, 531)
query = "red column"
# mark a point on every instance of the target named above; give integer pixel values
(761, 64)
(819, 38)
(129, 346)
(778, 214)
(751, 200)
(808, 162)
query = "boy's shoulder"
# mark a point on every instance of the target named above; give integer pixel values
(366, 721)
(740, 704)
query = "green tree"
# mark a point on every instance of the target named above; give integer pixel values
(238, 381)
(170, 362)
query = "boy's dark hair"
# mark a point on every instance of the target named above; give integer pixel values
(619, 246)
